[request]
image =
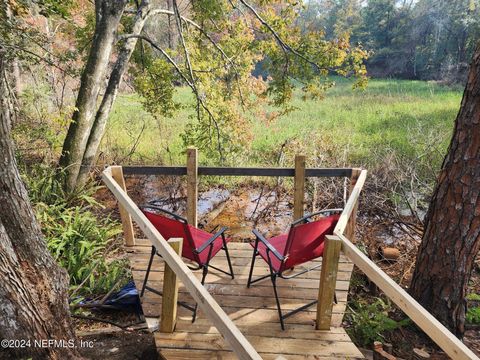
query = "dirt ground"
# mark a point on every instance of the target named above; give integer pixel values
(120, 345)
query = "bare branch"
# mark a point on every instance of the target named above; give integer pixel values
(40, 58)
(225, 57)
(178, 19)
(279, 40)
(200, 102)
(214, 43)
(164, 53)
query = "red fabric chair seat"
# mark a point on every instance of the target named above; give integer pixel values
(303, 243)
(192, 237)
(199, 237)
(279, 242)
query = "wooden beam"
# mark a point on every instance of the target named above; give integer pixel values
(239, 344)
(192, 186)
(127, 225)
(351, 204)
(352, 220)
(155, 170)
(299, 187)
(242, 171)
(328, 281)
(168, 317)
(426, 321)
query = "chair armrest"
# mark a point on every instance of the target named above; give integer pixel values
(308, 216)
(177, 217)
(268, 245)
(210, 241)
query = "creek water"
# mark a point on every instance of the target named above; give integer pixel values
(240, 210)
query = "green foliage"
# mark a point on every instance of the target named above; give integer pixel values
(473, 312)
(425, 39)
(42, 122)
(79, 240)
(473, 315)
(56, 7)
(370, 321)
(44, 186)
(157, 86)
(224, 134)
(473, 296)
(84, 34)
(224, 41)
(407, 120)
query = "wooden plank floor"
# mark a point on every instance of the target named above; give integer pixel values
(253, 311)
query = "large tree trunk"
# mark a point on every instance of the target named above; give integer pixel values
(33, 294)
(121, 65)
(452, 229)
(108, 14)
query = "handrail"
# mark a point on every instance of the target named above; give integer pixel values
(447, 341)
(241, 171)
(240, 345)
(420, 316)
(351, 203)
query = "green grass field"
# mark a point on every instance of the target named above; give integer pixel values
(411, 119)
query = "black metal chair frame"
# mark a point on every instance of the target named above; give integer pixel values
(270, 249)
(205, 267)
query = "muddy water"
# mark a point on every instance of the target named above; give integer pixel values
(247, 209)
(240, 210)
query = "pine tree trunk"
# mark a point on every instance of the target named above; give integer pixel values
(108, 14)
(33, 293)
(452, 229)
(121, 65)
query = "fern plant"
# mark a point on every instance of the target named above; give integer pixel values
(78, 239)
(370, 321)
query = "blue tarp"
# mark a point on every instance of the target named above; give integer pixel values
(126, 299)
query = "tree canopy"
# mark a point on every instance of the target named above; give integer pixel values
(414, 39)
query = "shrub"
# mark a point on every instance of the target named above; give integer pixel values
(473, 315)
(473, 311)
(370, 321)
(78, 239)
(473, 297)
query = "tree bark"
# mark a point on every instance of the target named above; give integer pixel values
(121, 65)
(34, 290)
(108, 14)
(452, 230)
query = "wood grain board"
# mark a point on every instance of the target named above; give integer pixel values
(252, 310)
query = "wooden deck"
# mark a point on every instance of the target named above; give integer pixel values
(253, 311)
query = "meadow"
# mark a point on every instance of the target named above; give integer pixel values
(391, 120)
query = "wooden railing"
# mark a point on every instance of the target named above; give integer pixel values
(341, 240)
(113, 177)
(239, 344)
(192, 171)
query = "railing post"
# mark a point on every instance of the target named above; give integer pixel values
(128, 234)
(192, 186)
(299, 187)
(328, 281)
(168, 317)
(350, 228)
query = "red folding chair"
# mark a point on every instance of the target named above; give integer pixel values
(198, 246)
(304, 242)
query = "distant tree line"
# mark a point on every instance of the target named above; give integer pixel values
(412, 39)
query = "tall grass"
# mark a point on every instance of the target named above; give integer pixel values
(398, 129)
(406, 117)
